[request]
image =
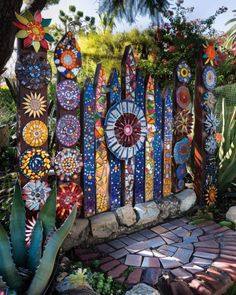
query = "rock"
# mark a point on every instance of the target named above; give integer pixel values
(126, 215)
(77, 235)
(147, 212)
(231, 214)
(151, 276)
(103, 225)
(169, 207)
(187, 199)
(142, 289)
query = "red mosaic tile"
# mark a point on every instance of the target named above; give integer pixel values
(134, 277)
(229, 257)
(105, 259)
(109, 265)
(227, 266)
(133, 260)
(151, 262)
(117, 271)
(220, 274)
(210, 280)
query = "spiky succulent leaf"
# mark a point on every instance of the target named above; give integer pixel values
(45, 269)
(48, 214)
(17, 228)
(35, 250)
(8, 269)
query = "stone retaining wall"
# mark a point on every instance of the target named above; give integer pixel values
(127, 219)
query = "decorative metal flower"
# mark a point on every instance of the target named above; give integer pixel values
(210, 145)
(68, 164)
(33, 71)
(209, 100)
(35, 194)
(209, 77)
(181, 171)
(211, 195)
(183, 122)
(183, 97)
(67, 56)
(68, 130)
(182, 151)
(34, 104)
(183, 72)
(30, 224)
(218, 137)
(68, 194)
(34, 163)
(34, 30)
(35, 133)
(210, 53)
(68, 95)
(211, 123)
(125, 129)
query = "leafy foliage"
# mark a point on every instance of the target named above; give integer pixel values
(231, 39)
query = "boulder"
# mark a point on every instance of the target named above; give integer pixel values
(142, 289)
(147, 212)
(231, 214)
(126, 215)
(103, 225)
(187, 199)
(78, 234)
(169, 207)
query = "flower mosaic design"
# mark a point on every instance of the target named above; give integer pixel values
(125, 129)
(209, 78)
(68, 95)
(210, 145)
(33, 71)
(34, 104)
(211, 195)
(211, 53)
(183, 122)
(209, 100)
(34, 163)
(68, 164)
(34, 30)
(35, 133)
(68, 130)
(67, 56)
(35, 194)
(183, 72)
(67, 196)
(183, 98)
(211, 123)
(182, 151)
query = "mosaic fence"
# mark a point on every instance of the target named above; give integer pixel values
(119, 141)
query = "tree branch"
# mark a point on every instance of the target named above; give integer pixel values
(37, 5)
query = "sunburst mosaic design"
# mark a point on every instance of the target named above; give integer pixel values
(211, 195)
(210, 145)
(211, 123)
(34, 163)
(35, 133)
(34, 104)
(209, 101)
(183, 122)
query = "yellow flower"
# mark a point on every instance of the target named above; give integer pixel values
(34, 104)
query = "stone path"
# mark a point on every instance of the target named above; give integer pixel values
(199, 258)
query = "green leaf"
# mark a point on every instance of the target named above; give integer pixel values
(35, 250)
(27, 14)
(226, 223)
(17, 228)
(49, 38)
(46, 22)
(45, 269)
(7, 267)
(36, 45)
(21, 19)
(48, 214)
(21, 34)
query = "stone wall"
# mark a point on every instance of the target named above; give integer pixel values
(128, 219)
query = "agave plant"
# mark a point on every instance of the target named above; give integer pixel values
(27, 271)
(227, 149)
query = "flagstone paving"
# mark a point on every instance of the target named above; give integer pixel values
(200, 259)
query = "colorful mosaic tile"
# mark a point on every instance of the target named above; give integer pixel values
(183, 72)
(139, 188)
(209, 77)
(210, 123)
(89, 182)
(168, 137)
(181, 171)
(35, 133)
(183, 123)
(115, 165)
(102, 199)
(209, 100)
(34, 104)
(210, 145)
(182, 151)
(157, 189)
(149, 148)
(68, 130)
(68, 95)
(67, 56)
(183, 98)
